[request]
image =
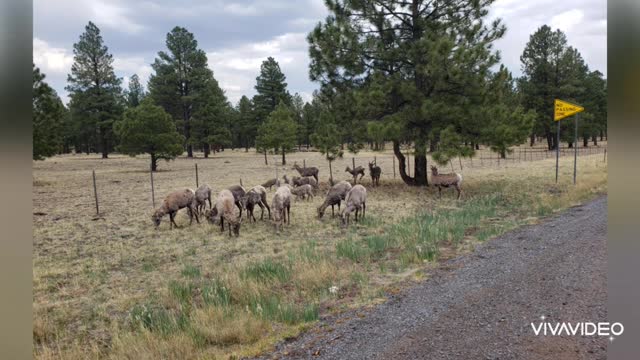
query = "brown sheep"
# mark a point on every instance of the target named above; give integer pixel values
(375, 172)
(356, 200)
(172, 203)
(281, 207)
(224, 209)
(303, 191)
(256, 196)
(446, 180)
(298, 181)
(307, 171)
(203, 193)
(337, 193)
(358, 170)
(269, 183)
(238, 192)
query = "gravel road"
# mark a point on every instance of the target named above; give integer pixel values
(481, 305)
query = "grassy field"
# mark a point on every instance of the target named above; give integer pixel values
(113, 287)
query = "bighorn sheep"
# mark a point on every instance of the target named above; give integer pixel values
(375, 172)
(224, 210)
(172, 203)
(281, 207)
(238, 192)
(356, 200)
(307, 171)
(269, 183)
(303, 191)
(203, 193)
(337, 193)
(256, 196)
(286, 179)
(445, 180)
(358, 170)
(298, 181)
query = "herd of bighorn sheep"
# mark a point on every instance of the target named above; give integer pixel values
(223, 210)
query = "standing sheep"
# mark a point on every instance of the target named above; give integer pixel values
(337, 193)
(172, 203)
(303, 191)
(256, 196)
(203, 193)
(375, 172)
(224, 209)
(269, 183)
(238, 192)
(358, 170)
(446, 180)
(307, 171)
(356, 200)
(281, 207)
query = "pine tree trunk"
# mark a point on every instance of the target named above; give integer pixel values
(420, 170)
(585, 141)
(265, 158)
(207, 150)
(104, 144)
(532, 140)
(595, 140)
(550, 140)
(284, 161)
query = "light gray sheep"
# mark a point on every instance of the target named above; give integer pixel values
(303, 191)
(356, 200)
(307, 171)
(256, 196)
(375, 172)
(446, 180)
(337, 193)
(298, 181)
(281, 207)
(358, 170)
(172, 203)
(224, 210)
(238, 192)
(269, 183)
(203, 193)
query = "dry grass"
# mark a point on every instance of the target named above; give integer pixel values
(213, 296)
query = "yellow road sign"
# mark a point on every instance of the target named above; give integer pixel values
(565, 109)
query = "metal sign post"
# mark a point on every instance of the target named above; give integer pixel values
(575, 150)
(562, 110)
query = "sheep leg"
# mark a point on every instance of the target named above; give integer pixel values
(332, 213)
(239, 207)
(364, 208)
(356, 214)
(439, 192)
(194, 213)
(261, 210)
(268, 208)
(221, 224)
(172, 216)
(459, 190)
(209, 198)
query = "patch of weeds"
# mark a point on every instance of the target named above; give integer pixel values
(216, 293)
(377, 244)
(190, 271)
(153, 318)
(308, 251)
(267, 270)
(272, 308)
(190, 251)
(352, 250)
(181, 291)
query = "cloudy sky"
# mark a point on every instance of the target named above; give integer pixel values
(238, 35)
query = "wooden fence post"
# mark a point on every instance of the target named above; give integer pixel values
(460, 160)
(153, 196)
(95, 192)
(197, 185)
(605, 154)
(394, 166)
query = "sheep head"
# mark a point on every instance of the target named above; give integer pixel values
(157, 217)
(212, 216)
(434, 170)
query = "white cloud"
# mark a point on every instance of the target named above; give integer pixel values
(127, 66)
(51, 59)
(236, 68)
(114, 16)
(567, 20)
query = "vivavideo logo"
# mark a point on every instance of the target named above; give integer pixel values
(577, 329)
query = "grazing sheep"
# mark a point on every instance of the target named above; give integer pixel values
(256, 196)
(307, 171)
(172, 203)
(446, 180)
(358, 170)
(269, 183)
(298, 181)
(224, 210)
(304, 191)
(356, 200)
(337, 193)
(238, 192)
(203, 193)
(375, 172)
(281, 207)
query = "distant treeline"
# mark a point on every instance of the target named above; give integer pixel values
(421, 73)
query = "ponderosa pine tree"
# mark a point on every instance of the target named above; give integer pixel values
(211, 123)
(245, 121)
(180, 79)
(297, 107)
(326, 139)
(271, 90)
(278, 132)
(135, 93)
(423, 60)
(148, 129)
(48, 117)
(94, 89)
